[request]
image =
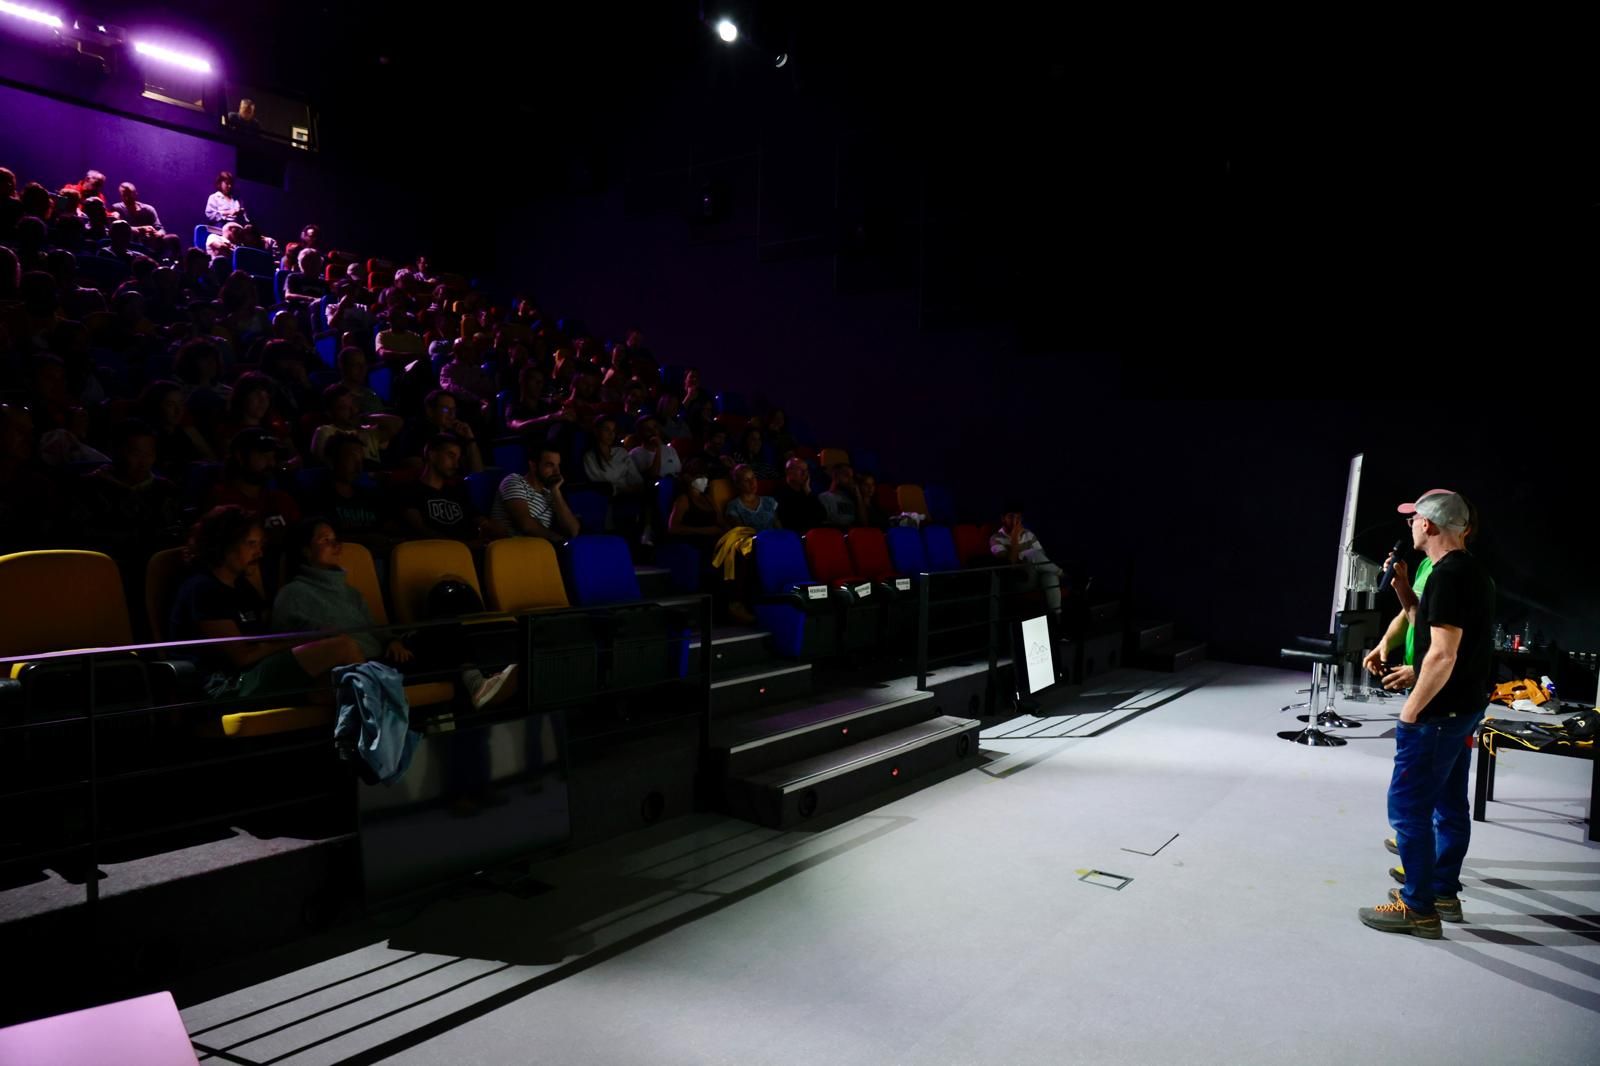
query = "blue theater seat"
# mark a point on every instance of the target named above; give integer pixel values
(794, 607)
(940, 548)
(482, 486)
(905, 548)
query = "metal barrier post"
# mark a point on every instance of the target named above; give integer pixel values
(922, 633)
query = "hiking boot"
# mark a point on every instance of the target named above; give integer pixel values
(1447, 907)
(1398, 918)
(1393, 845)
(1398, 873)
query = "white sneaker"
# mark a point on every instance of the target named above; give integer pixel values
(496, 688)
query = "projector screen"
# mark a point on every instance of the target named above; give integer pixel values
(1038, 661)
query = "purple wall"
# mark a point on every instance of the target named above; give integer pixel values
(53, 143)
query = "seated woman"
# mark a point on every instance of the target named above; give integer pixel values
(749, 507)
(748, 510)
(780, 441)
(251, 407)
(608, 463)
(752, 452)
(317, 596)
(693, 516)
(221, 600)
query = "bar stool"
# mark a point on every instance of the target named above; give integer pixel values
(1322, 667)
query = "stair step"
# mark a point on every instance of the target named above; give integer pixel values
(1153, 636)
(1099, 654)
(775, 736)
(1178, 656)
(654, 581)
(762, 685)
(789, 794)
(732, 647)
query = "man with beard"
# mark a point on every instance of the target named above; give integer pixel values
(534, 506)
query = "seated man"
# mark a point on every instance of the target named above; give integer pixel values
(120, 245)
(437, 504)
(222, 600)
(653, 456)
(1014, 543)
(252, 458)
(221, 245)
(798, 509)
(125, 507)
(244, 120)
(400, 341)
(533, 506)
(306, 285)
(464, 376)
(438, 416)
(345, 418)
(348, 499)
(353, 376)
(142, 217)
(843, 503)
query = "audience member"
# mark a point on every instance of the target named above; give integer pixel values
(843, 501)
(222, 206)
(533, 505)
(437, 504)
(224, 599)
(798, 508)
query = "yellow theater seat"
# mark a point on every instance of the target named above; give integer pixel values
(830, 457)
(61, 600)
(415, 566)
(911, 499)
(522, 574)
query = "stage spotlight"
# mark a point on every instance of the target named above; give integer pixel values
(783, 58)
(28, 14)
(727, 30)
(167, 55)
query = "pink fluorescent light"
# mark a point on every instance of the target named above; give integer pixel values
(167, 55)
(43, 18)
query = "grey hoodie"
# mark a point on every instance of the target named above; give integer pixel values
(321, 599)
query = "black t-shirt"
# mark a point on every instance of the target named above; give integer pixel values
(205, 599)
(360, 512)
(799, 511)
(447, 512)
(1459, 593)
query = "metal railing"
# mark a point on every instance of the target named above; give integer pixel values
(939, 590)
(98, 690)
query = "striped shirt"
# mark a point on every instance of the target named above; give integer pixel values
(517, 487)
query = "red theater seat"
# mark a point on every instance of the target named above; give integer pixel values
(869, 551)
(829, 558)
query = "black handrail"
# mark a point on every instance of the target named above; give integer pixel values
(535, 656)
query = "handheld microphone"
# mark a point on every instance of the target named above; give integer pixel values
(1388, 571)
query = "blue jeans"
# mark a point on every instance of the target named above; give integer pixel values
(1428, 806)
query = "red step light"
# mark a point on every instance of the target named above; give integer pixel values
(895, 772)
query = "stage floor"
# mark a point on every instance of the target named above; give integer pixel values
(955, 924)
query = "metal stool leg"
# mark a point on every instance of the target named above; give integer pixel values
(1329, 717)
(1312, 735)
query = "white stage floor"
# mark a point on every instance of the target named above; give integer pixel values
(951, 924)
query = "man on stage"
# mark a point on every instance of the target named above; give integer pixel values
(1428, 804)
